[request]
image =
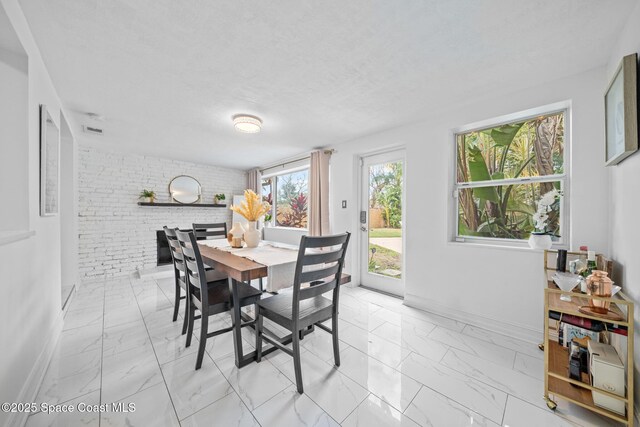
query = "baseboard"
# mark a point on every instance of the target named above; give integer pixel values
(516, 330)
(32, 385)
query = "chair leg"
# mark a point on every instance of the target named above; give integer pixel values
(191, 316)
(258, 335)
(334, 335)
(187, 306)
(204, 329)
(295, 342)
(176, 303)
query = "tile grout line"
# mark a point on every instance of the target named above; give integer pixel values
(183, 356)
(104, 304)
(164, 380)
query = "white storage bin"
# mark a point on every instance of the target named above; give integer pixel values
(607, 373)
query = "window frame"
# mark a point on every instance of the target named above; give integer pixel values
(564, 178)
(274, 192)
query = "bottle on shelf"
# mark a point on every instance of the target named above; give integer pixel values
(591, 264)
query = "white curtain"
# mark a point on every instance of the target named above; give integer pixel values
(319, 193)
(254, 181)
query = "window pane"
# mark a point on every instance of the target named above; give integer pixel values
(524, 149)
(506, 211)
(291, 199)
(267, 196)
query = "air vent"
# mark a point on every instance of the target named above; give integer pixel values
(92, 130)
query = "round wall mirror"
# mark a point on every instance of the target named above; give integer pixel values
(185, 189)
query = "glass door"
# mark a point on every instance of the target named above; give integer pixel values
(382, 222)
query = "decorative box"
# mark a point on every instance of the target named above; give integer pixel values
(607, 373)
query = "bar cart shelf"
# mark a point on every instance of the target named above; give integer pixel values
(557, 383)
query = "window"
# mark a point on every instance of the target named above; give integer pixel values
(503, 171)
(288, 195)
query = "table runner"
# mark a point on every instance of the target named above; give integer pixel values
(279, 258)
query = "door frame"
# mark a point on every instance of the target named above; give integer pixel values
(363, 250)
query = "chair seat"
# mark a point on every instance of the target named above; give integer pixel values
(220, 296)
(279, 309)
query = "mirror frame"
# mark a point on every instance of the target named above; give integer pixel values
(199, 190)
(48, 147)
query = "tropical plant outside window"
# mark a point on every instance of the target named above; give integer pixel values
(288, 195)
(503, 171)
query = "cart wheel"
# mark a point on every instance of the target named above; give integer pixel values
(551, 404)
(541, 347)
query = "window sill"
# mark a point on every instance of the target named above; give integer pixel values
(277, 227)
(503, 247)
(7, 237)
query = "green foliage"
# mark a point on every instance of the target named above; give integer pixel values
(385, 192)
(526, 149)
(385, 232)
(147, 193)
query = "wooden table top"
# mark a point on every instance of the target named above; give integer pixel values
(236, 267)
(239, 268)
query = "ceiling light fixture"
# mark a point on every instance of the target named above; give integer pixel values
(246, 123)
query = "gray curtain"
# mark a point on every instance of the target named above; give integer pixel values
(254, 181)
(319, 193)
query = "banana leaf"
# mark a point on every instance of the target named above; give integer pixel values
(503, 135)
(479, 172)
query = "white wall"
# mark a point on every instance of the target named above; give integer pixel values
(492, 286)
(30, 314)
(68, 210)
(116, 235)
(625, 198)
(13, 134)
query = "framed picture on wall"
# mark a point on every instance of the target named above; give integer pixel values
(621, 112)
(49, 164)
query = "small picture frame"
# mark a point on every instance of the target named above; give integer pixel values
(621, 112)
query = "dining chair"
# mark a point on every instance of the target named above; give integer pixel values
(178, 271)
(209, 298)
(319, 268)
(179, 275)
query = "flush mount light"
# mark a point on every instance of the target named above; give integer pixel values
(246, 123)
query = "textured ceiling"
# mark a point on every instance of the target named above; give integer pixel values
(168, 75)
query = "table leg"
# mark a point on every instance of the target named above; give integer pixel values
(236, 319)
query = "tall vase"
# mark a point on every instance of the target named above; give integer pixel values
(236, 231)
(540, 241)
(252, 235)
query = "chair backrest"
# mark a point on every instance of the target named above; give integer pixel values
(210, 231)
(320, 262)
(176, 250)
(194, 267)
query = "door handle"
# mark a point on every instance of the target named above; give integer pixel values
(363, 228)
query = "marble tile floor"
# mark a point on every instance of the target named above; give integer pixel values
(400, 367)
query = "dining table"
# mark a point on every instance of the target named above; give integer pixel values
(241, 266)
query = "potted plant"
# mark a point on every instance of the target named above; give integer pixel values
(218, 198)
(148, 196)
(548, 205)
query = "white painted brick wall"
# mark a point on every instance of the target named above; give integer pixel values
(116, 235)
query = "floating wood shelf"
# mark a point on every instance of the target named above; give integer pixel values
(180, 205)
